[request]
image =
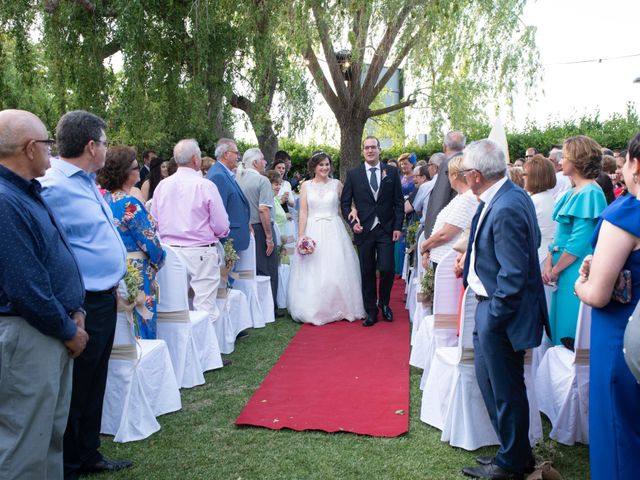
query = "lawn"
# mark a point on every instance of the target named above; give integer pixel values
(202, 442)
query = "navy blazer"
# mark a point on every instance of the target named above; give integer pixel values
(389, 206)
(506, 261)
(235, 203)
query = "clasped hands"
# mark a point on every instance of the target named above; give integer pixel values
(76, 345)
(354, 221)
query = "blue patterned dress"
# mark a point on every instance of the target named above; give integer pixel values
(139, 234)
(614, 394)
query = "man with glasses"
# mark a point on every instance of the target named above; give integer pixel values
(223, 174)
(70, 191)
(41, 317)
(530, 153)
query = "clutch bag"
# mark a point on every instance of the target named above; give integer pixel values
(623, 288)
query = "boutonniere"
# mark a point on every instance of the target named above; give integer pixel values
(383, 174)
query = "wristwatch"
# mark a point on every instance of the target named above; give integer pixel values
(76, 310)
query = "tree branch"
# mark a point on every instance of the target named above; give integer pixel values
(51, 6)
(330, 57)
(241, 103)
(360, 28)
(321, 81)
(392, 108)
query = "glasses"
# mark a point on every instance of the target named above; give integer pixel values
(370, 147)
(237, 152)
(134, 167)
(467, 170)
(528, 156)
(49, 142)
(103, 142)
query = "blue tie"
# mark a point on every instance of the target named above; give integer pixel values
(373, 180)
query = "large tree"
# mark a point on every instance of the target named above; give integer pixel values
(459, 52)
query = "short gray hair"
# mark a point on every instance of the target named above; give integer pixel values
(437, 159)
(555, 155)
(184, 151)
(455, 141)
(223, 146)
(487, 157)
(250, 156)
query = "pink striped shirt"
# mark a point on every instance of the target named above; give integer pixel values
(189, 210)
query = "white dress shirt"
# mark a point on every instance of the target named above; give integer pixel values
(472, 277)
(375, 172)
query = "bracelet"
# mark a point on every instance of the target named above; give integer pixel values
(78, 310)
(269, 241)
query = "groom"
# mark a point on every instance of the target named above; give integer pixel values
(375, 190)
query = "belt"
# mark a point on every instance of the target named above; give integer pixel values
(194, 246)
(481, 298)
(108, 291)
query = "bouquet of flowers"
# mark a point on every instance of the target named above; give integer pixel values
(412, 237)
(425, 295)
(230, 254)
(136, 298)
(306, 245)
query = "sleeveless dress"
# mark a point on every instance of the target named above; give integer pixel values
(576, 215)
(325, 286)
(614, 394)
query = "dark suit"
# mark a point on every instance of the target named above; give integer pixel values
(144, 173)
(375, 247)
(235, 203)
(440, 197)
(511, 319)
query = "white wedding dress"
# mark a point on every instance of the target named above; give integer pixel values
(325, 286)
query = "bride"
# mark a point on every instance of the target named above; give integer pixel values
(324, 286)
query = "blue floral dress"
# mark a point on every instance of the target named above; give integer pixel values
(139, 234)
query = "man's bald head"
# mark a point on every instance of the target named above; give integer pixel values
(17, 127)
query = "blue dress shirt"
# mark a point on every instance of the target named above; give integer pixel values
(39, 277)
(87, 220)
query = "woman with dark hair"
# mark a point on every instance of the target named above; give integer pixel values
(158, 171)
(137, 229)
(324, 285)
(614, 393)
(285, 196)
(576, 214)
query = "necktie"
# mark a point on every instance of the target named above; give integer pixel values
(373, 180)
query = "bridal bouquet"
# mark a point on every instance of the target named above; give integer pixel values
(306, 246)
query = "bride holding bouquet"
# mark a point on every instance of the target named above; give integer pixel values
(324, 283)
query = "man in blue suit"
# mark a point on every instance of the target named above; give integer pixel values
(222, 173)
(502, 269)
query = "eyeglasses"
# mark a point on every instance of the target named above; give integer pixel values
(370, 147)
(49, 142)
(103, 142)
(237, 152)
(528, 156)
(467, 170)
(134, 167)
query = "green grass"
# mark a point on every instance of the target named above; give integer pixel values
(201, 442)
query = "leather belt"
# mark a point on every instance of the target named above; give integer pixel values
(481, 298)
(108, 291)
(193, 246)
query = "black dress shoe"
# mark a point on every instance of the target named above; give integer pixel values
(226, 362)
(106, 465)
(370, 321)
(484, 460)
(491, 471)
(387, 314)
(242, 334)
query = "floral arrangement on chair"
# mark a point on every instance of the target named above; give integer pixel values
(230, 259)
(136, 298)
(425, 295)
(412, 234)
(306, 245)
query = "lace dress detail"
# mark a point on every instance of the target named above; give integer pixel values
(326, 285)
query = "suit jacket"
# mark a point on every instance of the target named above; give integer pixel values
(144, 173)
(388, 207)
(440, 197)
(235, 203)
(506, 261)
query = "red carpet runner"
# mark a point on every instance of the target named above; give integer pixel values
(340, 377)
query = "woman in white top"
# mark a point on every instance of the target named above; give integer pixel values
(286, 195)
(539, 181)
(452, 219)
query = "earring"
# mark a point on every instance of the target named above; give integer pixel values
(635, 178)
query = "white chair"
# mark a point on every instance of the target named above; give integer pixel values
(257, 288)
(452, 400)
(562, 384)
(234, 317)
(288, 243)
(190, 335)
(545, 344)
(140, 385)
(413, 287)
(441, 328)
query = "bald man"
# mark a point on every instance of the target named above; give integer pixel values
(41, 316)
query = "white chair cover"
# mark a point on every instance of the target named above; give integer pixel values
(413, 287)
(441, 328)
(257, 288)
(234, 317)
(562, 385)
(190, 336)
(283, 284)
(140, 385)
(545, 344)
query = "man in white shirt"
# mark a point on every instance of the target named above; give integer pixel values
(563, 183)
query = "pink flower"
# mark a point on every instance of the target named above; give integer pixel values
(306, 245)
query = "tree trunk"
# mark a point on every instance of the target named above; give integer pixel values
(267, 141)
(350, 144)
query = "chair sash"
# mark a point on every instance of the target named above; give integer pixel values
(467, 356)
(126, 351)
(445, 320)
(582, 356)
(222, 293)
(137, 255)
(243, 275)
(180, 316)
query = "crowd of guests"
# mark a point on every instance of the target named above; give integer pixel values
(73, 224)
(581, 244)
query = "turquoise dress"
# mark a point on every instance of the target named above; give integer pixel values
(139, 234)
(576, 215)
(614, 394)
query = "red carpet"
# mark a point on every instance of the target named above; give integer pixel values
(340, 377)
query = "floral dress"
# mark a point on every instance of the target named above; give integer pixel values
(139, 234)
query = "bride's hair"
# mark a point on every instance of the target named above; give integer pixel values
(315, 160)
